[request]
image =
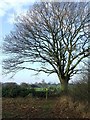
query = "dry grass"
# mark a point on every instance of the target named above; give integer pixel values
(60, 107)
(67, 108)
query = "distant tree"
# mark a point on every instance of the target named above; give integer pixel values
(24, 85)
(43, 81)
(55, 34)
(84, 76)
(44, 84)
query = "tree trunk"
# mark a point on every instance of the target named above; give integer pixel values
(64, 86)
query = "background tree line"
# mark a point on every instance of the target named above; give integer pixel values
(78, 90)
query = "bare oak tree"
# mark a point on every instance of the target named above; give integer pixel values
(53, 34)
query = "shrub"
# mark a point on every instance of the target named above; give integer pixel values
(80, 91)
(10, 91)
(24, 92)
(38, 93)
(14, 90)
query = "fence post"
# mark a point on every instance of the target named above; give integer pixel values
(46, 93)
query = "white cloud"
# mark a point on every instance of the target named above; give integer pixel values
(12, 8)
(3, 8)
(12, 16)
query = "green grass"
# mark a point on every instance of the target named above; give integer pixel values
(40, 89)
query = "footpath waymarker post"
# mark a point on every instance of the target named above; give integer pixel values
(46, 93)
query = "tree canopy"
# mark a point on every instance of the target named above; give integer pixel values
(54, 34)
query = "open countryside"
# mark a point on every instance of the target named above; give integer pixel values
(51, 38)
(33, 101)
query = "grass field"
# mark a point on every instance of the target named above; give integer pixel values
(58, 107)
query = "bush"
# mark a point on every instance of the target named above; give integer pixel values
(14, 90)
(38, 93)
(8, 91)
(80, 91)
(24, 92)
